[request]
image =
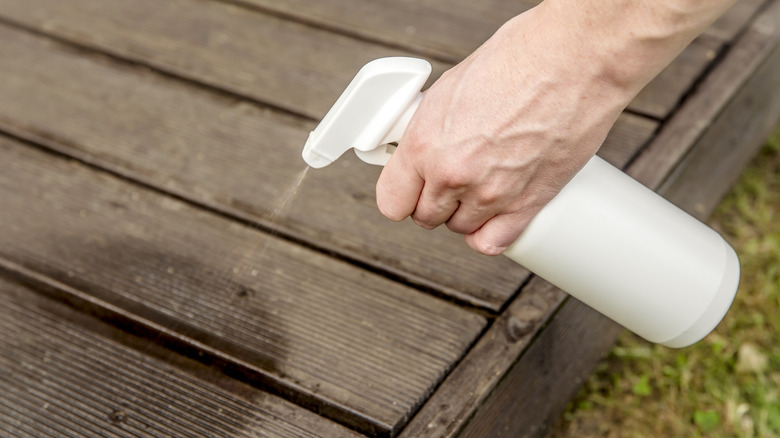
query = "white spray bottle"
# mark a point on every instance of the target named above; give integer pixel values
(605, 238)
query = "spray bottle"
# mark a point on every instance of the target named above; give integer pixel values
(605, 238)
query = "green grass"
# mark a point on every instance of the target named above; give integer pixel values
(727, 385)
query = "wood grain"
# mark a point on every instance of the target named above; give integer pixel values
(469, 385)
(328, 336)
(241, 159)
(699, 114)
(436, 27)
(451, 30)
(266, 58)
(734, 135)
(448, 30)
(297, 67)
(64, 374)
(728, 26)
(359, 348)
(538, 386)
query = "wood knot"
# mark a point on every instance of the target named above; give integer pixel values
(117, 416)
(522, 321)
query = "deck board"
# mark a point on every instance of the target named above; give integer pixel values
(60, 378)
(692, 124)
(150, 158)
(451, 30)
(281, 63)
(317, 330)
(436, 27)
(268, 58)
(240, 158)
(728, 26)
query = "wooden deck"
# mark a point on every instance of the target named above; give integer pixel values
(168, 268)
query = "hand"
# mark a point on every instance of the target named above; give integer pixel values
(496, 138)
(501, 133)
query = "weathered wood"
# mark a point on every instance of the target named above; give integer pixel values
(729, 25)
(359, 348)
(699, 115)
(662, 95)
(536, 389)
(298, 67)
(208, 284)
(63, 373)
(444, 29)
(450, 30)
(238, 158)
(524, 397)
(436, 27)
(733, 136)
(479, 373)
(266, 58)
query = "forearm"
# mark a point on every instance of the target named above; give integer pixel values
(625, 42)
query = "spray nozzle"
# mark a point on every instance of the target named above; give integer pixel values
(372, 112)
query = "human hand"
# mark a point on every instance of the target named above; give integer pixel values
(496, 138)
(501, 133)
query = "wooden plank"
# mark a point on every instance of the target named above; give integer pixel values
(282, 63)
(240, 159)
(537, 388)
(662, 95)
(471, 382)
(357, 347)
(733, 137)
(292, 66)
(729, 25)
(445, 29)
(699, 114)
(524, 396)
(451, 30)
(65, 374)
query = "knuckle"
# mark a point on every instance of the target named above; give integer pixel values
(427, 224)
(453, 180)
(488, 248)
(455, 228)
(458, 228)
(489, 196)
(429, 216)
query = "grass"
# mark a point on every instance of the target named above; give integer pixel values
(727, 385)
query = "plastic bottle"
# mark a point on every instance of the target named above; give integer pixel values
(605, 238)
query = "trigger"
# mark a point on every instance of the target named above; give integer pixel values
(378, 156)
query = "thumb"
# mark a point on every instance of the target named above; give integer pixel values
(398, 188)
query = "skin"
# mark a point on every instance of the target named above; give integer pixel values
(501, 133)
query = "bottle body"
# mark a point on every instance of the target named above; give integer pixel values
(633, 256)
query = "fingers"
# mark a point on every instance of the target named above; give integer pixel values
(495, 236)
(435, 206)
(398, 188)
(468, 219)
(401, 192)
